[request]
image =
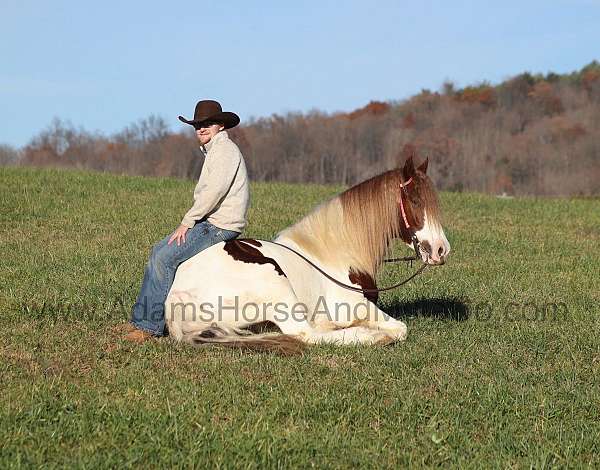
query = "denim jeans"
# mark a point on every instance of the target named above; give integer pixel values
(148, 313)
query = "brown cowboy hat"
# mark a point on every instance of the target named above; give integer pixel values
(209, 110)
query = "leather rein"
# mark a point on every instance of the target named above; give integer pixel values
(415, 243)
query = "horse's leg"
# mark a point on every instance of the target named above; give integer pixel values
(352, 335)
(378, 320)
(364, 314)
(304, 331)
(374, 330)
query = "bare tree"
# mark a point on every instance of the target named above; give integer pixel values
(8, 155)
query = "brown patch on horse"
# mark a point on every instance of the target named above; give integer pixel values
(242, 250)
(365, 281)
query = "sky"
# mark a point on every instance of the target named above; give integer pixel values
(104, 65)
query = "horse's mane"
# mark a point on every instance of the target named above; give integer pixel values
(356, 227)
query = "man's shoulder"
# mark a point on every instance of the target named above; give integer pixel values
(227, 146)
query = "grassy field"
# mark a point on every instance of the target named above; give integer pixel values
(501, 367)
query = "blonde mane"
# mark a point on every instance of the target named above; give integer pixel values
(355, 228)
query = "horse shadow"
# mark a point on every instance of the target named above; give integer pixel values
(454, 309)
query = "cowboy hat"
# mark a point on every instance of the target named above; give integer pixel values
(209, 110)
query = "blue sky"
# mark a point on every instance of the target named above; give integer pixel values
(103, 65)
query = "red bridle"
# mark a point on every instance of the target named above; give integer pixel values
(402, 186)
(414, 239)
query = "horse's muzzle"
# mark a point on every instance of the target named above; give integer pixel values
(435, 254)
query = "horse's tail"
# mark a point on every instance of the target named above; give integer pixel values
(241, 339)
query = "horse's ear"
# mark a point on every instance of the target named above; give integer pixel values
(409, 168)
(423, 166)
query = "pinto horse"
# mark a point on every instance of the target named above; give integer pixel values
(220, 293)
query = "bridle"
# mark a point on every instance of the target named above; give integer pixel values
(414, 240)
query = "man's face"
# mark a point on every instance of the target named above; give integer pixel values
(207, 132)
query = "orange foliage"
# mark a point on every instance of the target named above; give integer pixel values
(590, 78)
(374, 108)
(484, 95)
(543, 94)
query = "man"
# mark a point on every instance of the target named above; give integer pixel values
(221, 200)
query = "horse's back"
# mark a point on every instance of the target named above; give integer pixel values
(231, 275)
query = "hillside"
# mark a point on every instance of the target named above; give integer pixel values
(532, 134)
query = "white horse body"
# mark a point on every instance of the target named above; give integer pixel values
(303, 303)
(233, 285)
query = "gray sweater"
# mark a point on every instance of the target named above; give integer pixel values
(222, 194)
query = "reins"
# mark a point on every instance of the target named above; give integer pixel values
(410, 259)
(354, 288)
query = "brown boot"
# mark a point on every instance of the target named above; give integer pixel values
(124, 328)
(137, 336)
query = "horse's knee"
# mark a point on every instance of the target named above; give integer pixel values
(398, 331)
(402, 332)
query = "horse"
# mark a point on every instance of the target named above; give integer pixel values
(221, 294)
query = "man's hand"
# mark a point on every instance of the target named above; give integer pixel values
(179, 235)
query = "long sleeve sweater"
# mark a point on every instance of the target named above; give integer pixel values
(222, 193)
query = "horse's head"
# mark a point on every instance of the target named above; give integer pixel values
(419, 214)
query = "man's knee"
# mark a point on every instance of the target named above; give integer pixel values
(160, 257)
(155, 253)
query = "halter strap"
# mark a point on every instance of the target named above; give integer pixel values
(402, 186)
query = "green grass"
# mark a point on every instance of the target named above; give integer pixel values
(483, 380)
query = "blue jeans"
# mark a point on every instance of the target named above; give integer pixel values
(148, 313)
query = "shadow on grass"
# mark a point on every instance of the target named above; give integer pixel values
(439, 308)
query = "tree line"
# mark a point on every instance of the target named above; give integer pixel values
(531, 134)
